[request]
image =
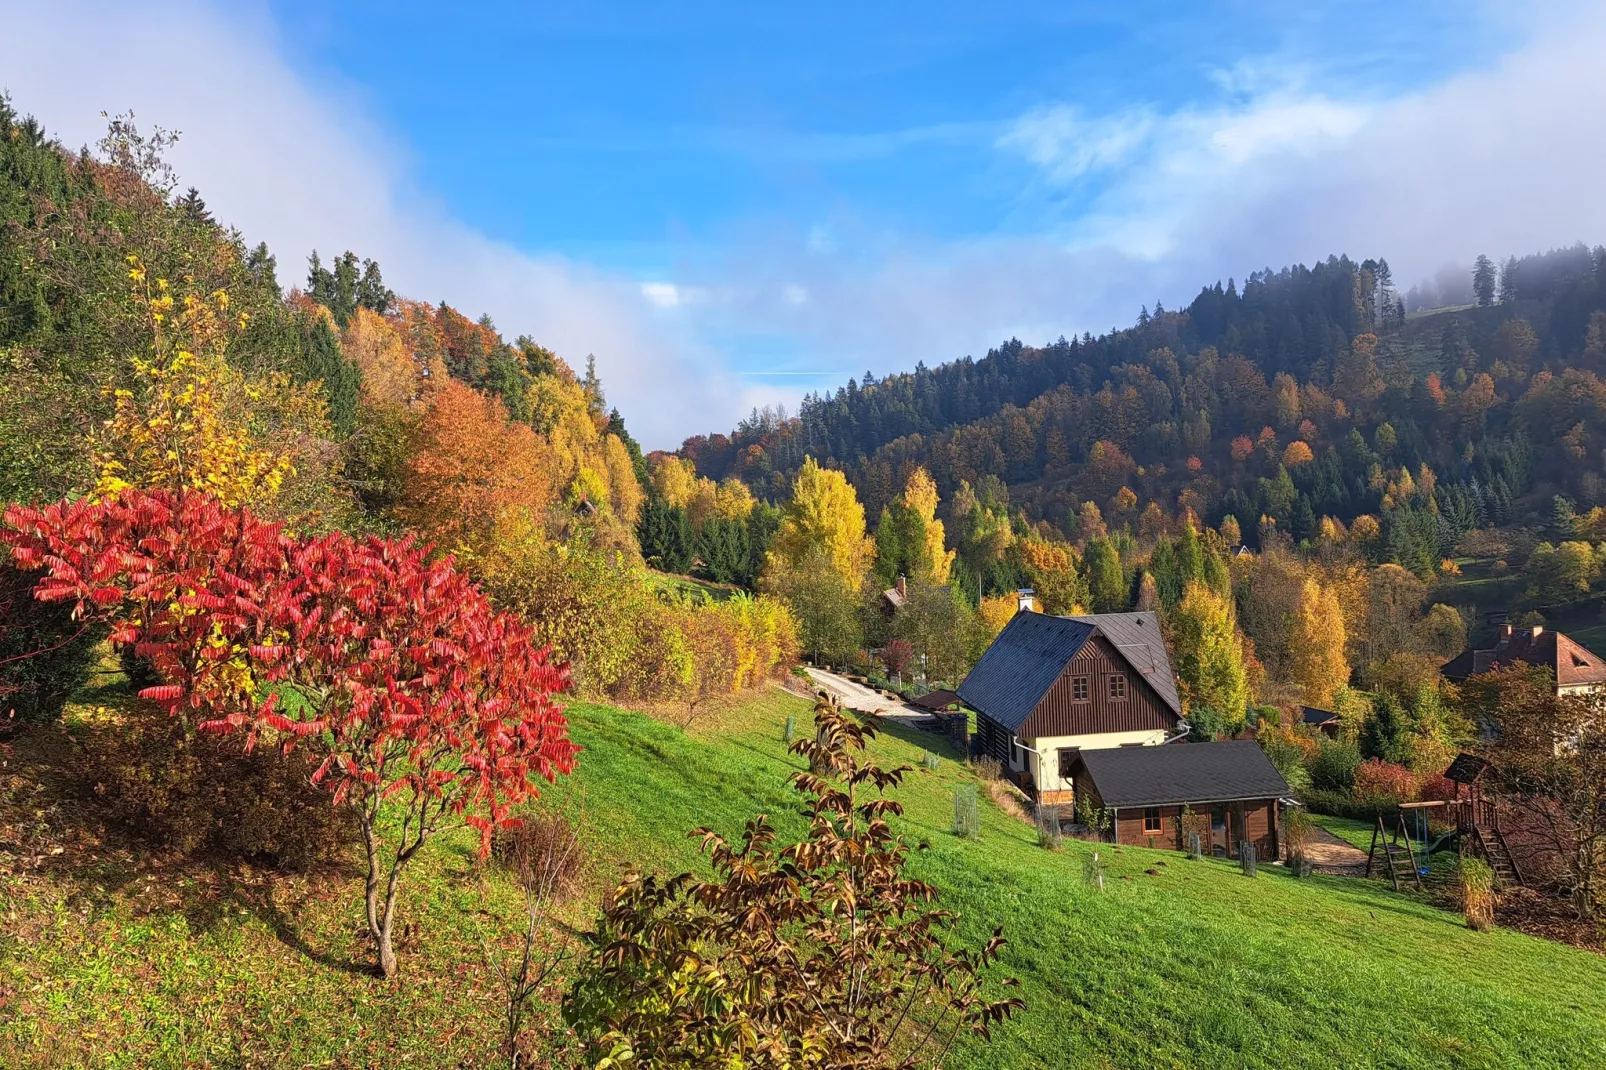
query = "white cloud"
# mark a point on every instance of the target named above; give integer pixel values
(1146, 205)
(297, 165)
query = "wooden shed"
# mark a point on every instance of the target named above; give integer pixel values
(1232, 787)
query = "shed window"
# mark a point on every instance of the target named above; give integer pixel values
(1068, 761)
(1151, 819)
(1117, 685)
(1081, 687)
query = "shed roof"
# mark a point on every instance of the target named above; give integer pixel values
(939, 699)
(1183, 773)
(1314, 716)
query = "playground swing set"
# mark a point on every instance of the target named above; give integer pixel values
(1406, 855)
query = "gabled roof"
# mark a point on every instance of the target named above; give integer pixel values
(1571, 663)
(1137, 636)
(1183, 773)
(1033, 649)
(1021, 665)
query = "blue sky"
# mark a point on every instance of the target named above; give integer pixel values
(729, 204)
(634, 135)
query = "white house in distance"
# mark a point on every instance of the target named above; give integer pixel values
(1051, 687)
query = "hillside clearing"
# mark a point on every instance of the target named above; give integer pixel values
(115, 958)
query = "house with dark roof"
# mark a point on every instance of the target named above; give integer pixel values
(1232, 787)
(1576, 669)
(1324, 721)
(1050, 687)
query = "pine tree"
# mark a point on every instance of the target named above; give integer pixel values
(1483, 280)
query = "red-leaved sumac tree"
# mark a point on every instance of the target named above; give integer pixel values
(426, 706)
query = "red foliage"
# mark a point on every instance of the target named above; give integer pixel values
(395, 669)
(1380, 781)
(1436, 787)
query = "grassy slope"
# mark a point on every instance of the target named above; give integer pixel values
(1191, 965)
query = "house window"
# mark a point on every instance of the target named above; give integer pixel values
(1068, 761)
(1117, 685)
(1081, 688)
(1151, 819)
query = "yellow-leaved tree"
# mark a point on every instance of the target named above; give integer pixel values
(824, 515)
(187, 420)
(1210, 661)
(1316, 647)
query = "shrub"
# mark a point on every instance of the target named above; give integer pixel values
(158, 778)
(825, 946)
(1093, 871)
(1048, 827)
(1297, 826)
(1338, 804)
(1476, 883)
(987, 767)
(789, 733)
(1332, 766)
(1287, 751)
(45, 655)
(967, 812)
(1384, 784)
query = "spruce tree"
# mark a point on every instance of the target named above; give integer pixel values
(322, 360)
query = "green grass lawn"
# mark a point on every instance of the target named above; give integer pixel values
(109, 959)
(690, 586)
(1356, 833)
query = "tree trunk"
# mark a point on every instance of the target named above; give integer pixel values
(380, 913)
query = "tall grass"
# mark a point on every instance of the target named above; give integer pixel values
(1476, 882)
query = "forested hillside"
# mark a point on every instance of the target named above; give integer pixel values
(1307, 393)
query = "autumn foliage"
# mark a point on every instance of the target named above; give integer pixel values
(393, 669)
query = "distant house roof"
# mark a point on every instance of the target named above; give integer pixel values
(1313, 716)
(895, 596)
(1572, 664)
(939, 699)
(1183, 773)
(1032, 651)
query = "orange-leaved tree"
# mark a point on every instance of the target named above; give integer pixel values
(425, 706)
(470, 467)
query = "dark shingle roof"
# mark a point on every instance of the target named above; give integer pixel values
(1022, 664)
(1466, 769)
(1183, 773)
(1137, 636)
(1312, 715)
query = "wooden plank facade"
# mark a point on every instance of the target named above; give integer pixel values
(1098, 692)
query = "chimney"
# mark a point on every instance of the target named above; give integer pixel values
(1024, 603)
(903, 586)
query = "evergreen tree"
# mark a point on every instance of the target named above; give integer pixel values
(1105, 583)
(1168, 582)
(665, 534)
(722, 546)
(194, 208)
(322, 360)
(616, 426)
(1483, 280)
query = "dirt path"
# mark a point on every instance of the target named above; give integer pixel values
(1329, 854)
(863, 699)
